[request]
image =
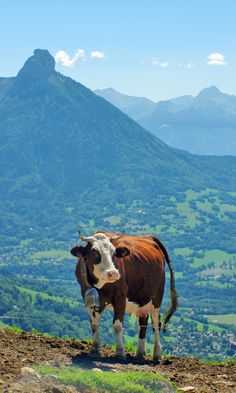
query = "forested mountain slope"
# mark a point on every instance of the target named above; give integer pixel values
(62, 145)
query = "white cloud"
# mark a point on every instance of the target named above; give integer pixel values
(62, 57)
(216, 59)
(190, 65)
(97, 54)
(162, 64)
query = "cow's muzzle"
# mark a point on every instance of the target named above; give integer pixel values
(112, 275)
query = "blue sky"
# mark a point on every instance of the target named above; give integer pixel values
(159, 49)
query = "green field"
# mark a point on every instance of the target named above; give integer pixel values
(205, 202)
(113, 219)
(43, 295)
(213, 283)
(51, 254)
(216, 256)
(206, 257)
(226, 319)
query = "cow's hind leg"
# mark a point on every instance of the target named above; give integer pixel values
(155, 325)
(142, 328)
(95, 320)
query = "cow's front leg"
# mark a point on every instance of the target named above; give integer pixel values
(142, 328)
(119, 311)
(95, 321)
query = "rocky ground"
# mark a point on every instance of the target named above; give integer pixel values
(18, 352)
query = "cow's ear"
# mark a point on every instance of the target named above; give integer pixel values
(78, 251)
(122, 252)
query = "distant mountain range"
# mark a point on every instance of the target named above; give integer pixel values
(205, 124)
(63, 147)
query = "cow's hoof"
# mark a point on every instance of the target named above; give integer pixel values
(140, 361)
(156, 361)
(140, 358)
(121, 356)
(139, 355)
(94, 352)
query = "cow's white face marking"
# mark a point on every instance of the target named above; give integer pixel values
(104, 271)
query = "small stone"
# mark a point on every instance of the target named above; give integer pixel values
(53, 376)
(187, 389)
(55, 389)
(97, 369)
(228, 383)
(222, 376)
(29, 371)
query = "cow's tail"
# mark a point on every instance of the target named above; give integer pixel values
(173, 292)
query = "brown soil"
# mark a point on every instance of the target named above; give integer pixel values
(25, 349)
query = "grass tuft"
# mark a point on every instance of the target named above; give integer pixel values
(108, 381)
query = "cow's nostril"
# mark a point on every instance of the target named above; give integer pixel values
(112, 275)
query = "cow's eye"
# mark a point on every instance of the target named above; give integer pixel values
(96, 257)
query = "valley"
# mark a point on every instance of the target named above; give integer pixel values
(39, 290)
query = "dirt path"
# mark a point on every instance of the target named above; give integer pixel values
(25, 349)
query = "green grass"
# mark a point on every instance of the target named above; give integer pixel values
(113, 220)
(25, 242)
(178, 275)
(190, 215)
(170, 339)
(160, 228)
(200, 325)
(217, 362)
(217, 256)
(43, 295)
(69, 209)
(226, 319)
(206, 201)
(217, 272)
(58, 254)
(183, 251)
(13, 329)
(102, 382)
(213, 284)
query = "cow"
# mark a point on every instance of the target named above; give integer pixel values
(128, 273)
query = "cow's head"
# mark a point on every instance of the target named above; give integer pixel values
(99, 256)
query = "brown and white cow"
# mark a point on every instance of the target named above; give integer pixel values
(129, 274)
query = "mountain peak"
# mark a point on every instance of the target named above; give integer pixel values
(39, 66)
(209, 93)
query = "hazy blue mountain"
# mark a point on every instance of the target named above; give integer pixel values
(135, 107)
(5, 84)
(62, 146)
(205, 124)
(183, 101)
